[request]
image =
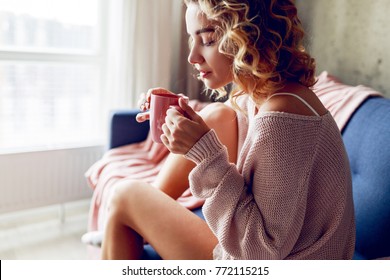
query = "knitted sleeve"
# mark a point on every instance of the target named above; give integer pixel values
(256, 212)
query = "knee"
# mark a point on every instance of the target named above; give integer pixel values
(218, 114)
(124, 194)
(223, 120)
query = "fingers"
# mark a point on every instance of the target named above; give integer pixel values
(188, 111)
(184, 96)
(142, 102)
(141, 117)
(144, 99)
(165, 134)
(180, 132)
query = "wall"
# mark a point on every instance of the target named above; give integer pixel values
(349, 39)
(41, 178)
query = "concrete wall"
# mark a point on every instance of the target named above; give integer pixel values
(350, 39)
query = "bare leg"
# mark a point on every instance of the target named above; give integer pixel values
(173, 177)
(140, 210)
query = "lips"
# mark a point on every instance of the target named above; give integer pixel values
(204, 74)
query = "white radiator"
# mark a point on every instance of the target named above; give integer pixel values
(36, 179)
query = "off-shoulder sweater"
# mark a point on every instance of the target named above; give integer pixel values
(288, 197)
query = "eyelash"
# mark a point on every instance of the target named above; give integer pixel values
(209, 43)
(205, 44)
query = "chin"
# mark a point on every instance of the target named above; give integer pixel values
(213, 85)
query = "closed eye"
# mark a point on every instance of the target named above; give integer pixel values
(209, 43)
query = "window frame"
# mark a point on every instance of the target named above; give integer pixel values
(96, 58)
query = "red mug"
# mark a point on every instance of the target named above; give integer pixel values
(160, 101)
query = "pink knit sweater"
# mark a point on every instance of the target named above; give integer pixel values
(288, 197)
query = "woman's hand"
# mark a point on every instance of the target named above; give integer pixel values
(144, 105)
(182, 131)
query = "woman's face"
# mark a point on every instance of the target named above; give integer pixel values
(215, 68)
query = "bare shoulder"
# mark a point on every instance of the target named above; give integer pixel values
(291, 102)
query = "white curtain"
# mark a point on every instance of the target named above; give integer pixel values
(143, 39)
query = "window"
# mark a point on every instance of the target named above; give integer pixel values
(51, 73)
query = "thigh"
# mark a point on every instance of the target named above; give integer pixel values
(173, 176)
(172, 230)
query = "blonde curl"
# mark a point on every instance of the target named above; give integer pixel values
(265, 40)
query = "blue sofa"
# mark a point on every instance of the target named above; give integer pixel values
(367, 140)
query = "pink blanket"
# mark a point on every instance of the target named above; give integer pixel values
(144, 160)
(340, 99)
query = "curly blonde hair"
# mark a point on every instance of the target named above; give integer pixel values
(265, 40)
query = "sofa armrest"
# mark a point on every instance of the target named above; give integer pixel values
(124, 129)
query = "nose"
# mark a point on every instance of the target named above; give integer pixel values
(194, 56)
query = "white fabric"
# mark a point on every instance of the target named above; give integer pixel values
(298, 97)
(141, 39)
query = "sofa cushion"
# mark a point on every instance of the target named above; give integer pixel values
(367, 140)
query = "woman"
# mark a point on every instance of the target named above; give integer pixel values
(288, 196)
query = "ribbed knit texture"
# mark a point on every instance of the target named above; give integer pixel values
(288, 197)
